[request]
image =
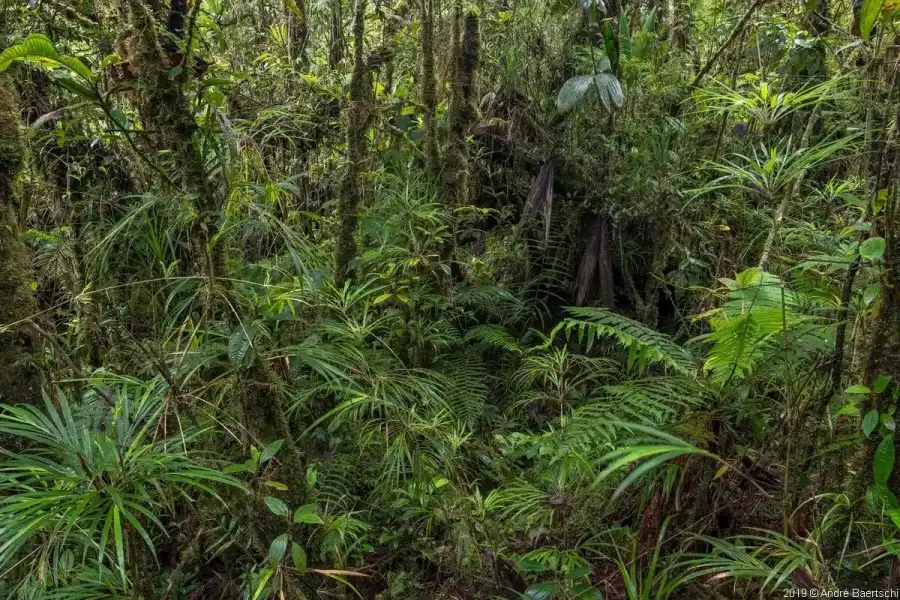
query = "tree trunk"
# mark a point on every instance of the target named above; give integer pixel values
(298, 30)
(881, 348)
(429, 89)
(462, 112)
(358, 117)
(19, 379)
(166, 112)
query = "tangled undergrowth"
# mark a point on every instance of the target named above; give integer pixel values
(472, 299)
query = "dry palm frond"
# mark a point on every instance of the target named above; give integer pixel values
(540, 198)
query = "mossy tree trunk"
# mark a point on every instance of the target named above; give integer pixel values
(336, 36)
(358, 117)
(298, 29)
(462, 110)
(880, 350)
(19, 379)
(429, 88)
(167, 113)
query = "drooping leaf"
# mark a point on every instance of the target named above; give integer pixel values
(38, 48)
(868, 16)
(624, 36)
(878, 201)
(871, 292)
(238, 344)
(76, 88)
(298, 555)
(610, 90)
(645, 345)
(884, 460)
(573, 91)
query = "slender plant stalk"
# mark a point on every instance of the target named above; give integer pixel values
(785, 205)
(737, 31)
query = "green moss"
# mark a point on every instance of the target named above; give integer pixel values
(19, 380)
(12, 149)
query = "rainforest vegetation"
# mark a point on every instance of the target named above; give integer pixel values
(449, 299)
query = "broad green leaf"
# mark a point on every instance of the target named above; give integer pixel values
(238, 344)
(868, 16)
(277, 548)
(894, 514)
(872, 291)
(38, 48)
(578, 573)
(884, 460)
(76, 88)
(610, 90)
(881, 383)
(529, 565)
(872, 249)
(870, 422)
(542, 591)
(879, 201)
(307, 514)
(277, 506)
(858, 389)
(573, 91)
(298, 555)
(276, 485)
(270, 451)
(585, 591)
(119, 117)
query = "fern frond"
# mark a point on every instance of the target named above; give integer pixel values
(652, 402)
(760, 318)
(494, 336)
(645, 346)
(467, 392)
